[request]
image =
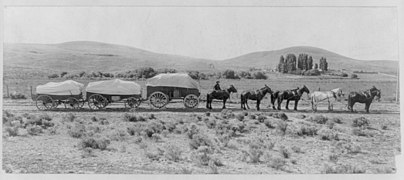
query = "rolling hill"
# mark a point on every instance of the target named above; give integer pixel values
(95, 56)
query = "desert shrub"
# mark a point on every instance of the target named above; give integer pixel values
(361, 132)
(118, 135)
(282, 116)
(17, 95)
(297, 149)
(152, 116)
(282, 127)
(153, 127)
(259, 75)
(211, 123)
(34, 130)
(319, 119)
(12, 131)
(207, 114)
(361, 122)
(45, 116)
(173, 153)
(135, 130)
(254, 152)
(77, 131)
(240, 117)
(333, 157)
(327, 134)
(156, 137)
(230, 74)
(344, 169)
(52, 131)
(344, 75)
(284, 152)
(354, 76)
(70, 117)
(192, 130)
(87, 152)
(337, 120)
(269, 123)
(312, 72)
(170, 126)
(307, 130)
(276, 163)
(133, 118)
(200, 140)
(203, 157)
(226, 114)
(252, 116)
(53, 76)
(261, 118)
(94, 143)
(330, 124)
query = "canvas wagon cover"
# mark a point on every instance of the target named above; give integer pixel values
(173, 80)
(114, 87)
(68, 87)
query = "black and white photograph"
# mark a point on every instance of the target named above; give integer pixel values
(201, 88)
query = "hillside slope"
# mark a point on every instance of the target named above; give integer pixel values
(95, 56)
(270, 59)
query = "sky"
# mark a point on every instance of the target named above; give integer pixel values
(365, 33)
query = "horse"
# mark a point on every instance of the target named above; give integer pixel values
(318, 96)
(254, 95)
(294, 94)
(219, 94)
(363, 97)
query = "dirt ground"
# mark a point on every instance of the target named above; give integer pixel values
(258, 144)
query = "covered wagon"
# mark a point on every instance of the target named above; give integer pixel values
(101, 93)
(52, 94)
(162, 88)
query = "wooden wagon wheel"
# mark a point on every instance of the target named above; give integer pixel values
(191, 101)
(97, 101)
(158, 99)
(81, 102)
(72, 103)
(44, 102)
(132, 102)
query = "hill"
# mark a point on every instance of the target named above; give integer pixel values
(95, 56)
(270, 59)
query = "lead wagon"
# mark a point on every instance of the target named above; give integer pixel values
(101, 93)
(52, 94)
(163, 88)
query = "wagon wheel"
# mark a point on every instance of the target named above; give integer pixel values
(44, 102)
(97, 101)
(132, 102)
(158, 99)
(191, 101)
(81, 102)
(72, 103)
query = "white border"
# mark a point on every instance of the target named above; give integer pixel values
(399, 4)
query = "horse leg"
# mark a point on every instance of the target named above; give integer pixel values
(258, 105)
(296, 101)
(279, 103)
(367, 106)
(246, 103)
(287, 104)
(207, 101)
(224, 103)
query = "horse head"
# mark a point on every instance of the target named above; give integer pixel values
(232, 89)
(266, 89)
(376, 93)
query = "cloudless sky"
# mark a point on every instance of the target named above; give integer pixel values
(212, 32)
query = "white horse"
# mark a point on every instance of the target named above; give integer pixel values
(317, 96)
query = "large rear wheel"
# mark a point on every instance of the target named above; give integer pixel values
(97, 101)
(158, 100)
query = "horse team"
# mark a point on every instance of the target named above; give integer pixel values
(295, 95)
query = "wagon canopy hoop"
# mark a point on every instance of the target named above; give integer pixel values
(44, 102)
(158, 99)
(97, 101)
(191, 101)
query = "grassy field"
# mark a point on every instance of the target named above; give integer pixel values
(176, 140)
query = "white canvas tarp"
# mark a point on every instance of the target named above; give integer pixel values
(173, 80)
(68, 87)
(114, 87)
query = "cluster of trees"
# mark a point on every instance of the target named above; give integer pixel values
(303, 65)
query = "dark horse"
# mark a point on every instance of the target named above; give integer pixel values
(219, 94)
(289, 95)
(364, 97)
(254, 95)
